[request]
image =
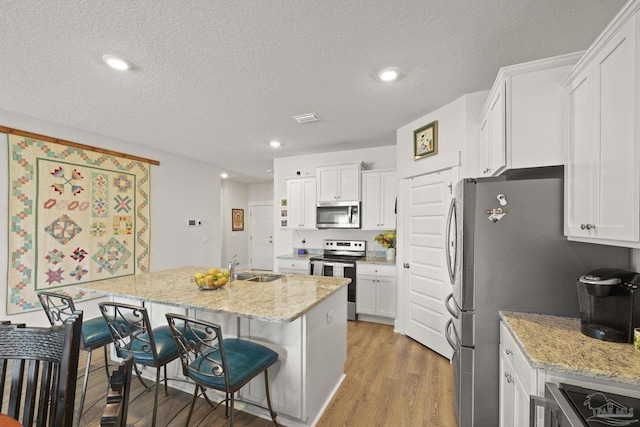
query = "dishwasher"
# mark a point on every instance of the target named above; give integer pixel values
(568, 405)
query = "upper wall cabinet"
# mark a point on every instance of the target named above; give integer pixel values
(379, 192)
(524, 121)
(602, 177)
(339, 182)
(301, 196)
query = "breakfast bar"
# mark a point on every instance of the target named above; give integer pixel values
(303, 318)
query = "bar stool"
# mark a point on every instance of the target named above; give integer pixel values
(223, 364)
(133, 335)
(95, 333)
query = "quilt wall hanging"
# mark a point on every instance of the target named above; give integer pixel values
(76, 215)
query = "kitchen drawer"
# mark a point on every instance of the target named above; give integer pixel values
(377, 270)
(293, 264)
(512, 352)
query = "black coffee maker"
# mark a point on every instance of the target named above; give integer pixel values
(609, 304)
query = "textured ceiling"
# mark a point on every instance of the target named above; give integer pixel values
(217, 80)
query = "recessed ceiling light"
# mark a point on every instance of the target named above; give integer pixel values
(224, 175)
(275, 144)
(116, 63)
(388, 74)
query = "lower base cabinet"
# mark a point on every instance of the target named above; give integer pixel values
(293, 266)
(376, 291)
(519, 381)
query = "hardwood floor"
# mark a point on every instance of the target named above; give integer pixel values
(391, 381)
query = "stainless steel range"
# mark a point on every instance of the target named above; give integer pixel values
(339, 260)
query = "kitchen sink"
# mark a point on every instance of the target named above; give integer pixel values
(244, 276)
(257, 277)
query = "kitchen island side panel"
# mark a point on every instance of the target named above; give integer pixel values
(313, 351)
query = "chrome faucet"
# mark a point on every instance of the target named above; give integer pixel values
(233, 262)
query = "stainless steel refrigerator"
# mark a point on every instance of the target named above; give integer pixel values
(506, 251)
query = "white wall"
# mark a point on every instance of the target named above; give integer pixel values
(261, 192)
(285, 240)
(181, 189)
(235, 195)
(458, 131)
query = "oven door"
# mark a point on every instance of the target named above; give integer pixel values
(348, 270)
(558, 411)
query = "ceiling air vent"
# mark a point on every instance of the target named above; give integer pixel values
(306, 118)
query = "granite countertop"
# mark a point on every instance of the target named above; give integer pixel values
(555, 343)
(369, 259)
(306, 256)
(280, 301)
(377, 260)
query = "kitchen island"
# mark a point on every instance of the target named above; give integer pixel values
(303, 318)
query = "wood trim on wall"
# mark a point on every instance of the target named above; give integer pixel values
(4, 129)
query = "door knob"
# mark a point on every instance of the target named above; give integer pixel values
(406, 265)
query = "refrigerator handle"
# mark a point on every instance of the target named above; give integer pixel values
(455, 313)
(447, 328)
(448, 242)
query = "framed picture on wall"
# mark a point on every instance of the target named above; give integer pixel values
(425, 141)
(237, 219)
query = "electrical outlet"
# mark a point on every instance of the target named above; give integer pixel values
(330, 316)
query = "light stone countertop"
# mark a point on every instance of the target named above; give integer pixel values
(280, 301)
(382, 260)
(306, 256)
(555, 343)
(369, 259)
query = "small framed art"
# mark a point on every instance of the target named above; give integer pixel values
(237, 219)
(425, 141)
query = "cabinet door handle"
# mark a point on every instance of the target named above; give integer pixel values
(406, 265)
(508, 376)
(508, 352)
(587, 226)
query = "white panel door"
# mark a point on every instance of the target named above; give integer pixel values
(426, 202)
(261, 237)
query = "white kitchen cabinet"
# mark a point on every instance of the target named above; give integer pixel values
(340, 182)
(517, 382)
(293, 266)
(602, 194)
(523, 123)
(301, 196)
(379, 193)
(492, 143)
(376, 292)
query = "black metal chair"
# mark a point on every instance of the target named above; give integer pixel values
(42, 364)
(133, 335)
(214, 362)
(95, 334)
(115, 411)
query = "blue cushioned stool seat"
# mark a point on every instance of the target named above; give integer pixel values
(245, 359)
(165, 347)
(95, 331)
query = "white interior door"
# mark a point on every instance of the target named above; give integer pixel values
(426, 202)
(261, 236)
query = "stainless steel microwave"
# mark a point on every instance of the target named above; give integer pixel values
(338, 215)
